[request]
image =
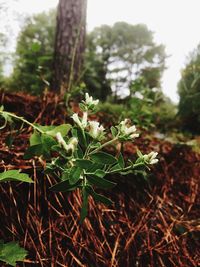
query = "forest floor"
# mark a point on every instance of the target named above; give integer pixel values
(154, 221)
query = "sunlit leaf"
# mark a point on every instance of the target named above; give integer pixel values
(63, 129)
(11, 253)
(14, 175)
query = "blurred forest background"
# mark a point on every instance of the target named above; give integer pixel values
(122, 66)
(154, 220)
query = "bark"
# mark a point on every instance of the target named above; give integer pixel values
(69, 43)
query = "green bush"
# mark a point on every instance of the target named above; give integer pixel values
(189, 92)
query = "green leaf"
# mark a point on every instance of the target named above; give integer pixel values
(139, 153)
(65, 186)
(79, 152)
(65, 175)
(115, 168)
(63, 129)
(40, 144)
(11, 253)
(100, 182)
(103, 158)
(82, 137)
(57, 148)
(74, 132)
(98, 197)
(14, 175)
(121, 161)
(94, 167)
(84, 163)
(82, 107)
(32, 151)
(114, 131)
(48, 142)
(45, 128)
(35, 138)
(100, 173)
(84, 208)
(74, 175)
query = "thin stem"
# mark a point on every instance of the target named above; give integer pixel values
(132, 167)
(23, 120)
(103, 145)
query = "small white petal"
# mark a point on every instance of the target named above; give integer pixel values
(153, 161)
(130, 130)
(135, 135)
(84, 119)
(76, 119)
(153, 155)
(74, 141)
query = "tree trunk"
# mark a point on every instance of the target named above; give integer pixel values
(69, 43)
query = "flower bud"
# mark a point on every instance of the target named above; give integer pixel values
(150, 158)
(96, 131)
(89, 100)
(81, 123)
(61, 141)
(68, 147)
(126, 131)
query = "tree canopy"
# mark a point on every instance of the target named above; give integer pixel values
(189, 92)
(114, 57)
(127, 52)
(34, 53)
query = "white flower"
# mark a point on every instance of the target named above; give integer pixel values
(68, 147)
(76, 119)
(89, 100)
(84, 119)
(61, 141)
(151, 158)
(81, 123)
(96, 131)
(73, 141)
(126, 130)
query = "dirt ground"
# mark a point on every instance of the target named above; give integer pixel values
(154, 221)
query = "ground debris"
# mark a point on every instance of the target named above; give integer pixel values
(154, 223)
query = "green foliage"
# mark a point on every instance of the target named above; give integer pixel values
(2, 57)
(14, 175)
(95, 74)
(11, 253)
(34, 54)
(123, 53)
(189, 92)
(147, 108)
(114, 57)
(76, 156)
(113, 112)
(150, 107)
(164, 115)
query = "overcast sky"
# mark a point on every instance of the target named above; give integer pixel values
(175, 24)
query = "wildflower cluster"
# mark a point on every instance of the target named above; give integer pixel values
(76, 153)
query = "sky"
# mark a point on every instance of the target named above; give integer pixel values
(175, 24)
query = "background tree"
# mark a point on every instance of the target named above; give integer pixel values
(2, 57)
(128, 52)
(34, 58)
(189, 92)
(34, 53)
(69, 43)
(95, 71)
